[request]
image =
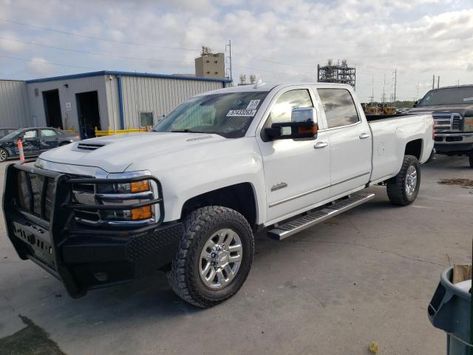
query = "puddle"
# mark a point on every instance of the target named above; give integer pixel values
(459, 182)
(29, 340)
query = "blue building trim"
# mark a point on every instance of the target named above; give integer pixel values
(121, 112)
(130, 74)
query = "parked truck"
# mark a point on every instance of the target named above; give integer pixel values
(452, 110)
(188, 197)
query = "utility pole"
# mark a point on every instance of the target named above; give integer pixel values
(395, 84)
(438, 81)
(372, 88)
(433, 82)
(384, 89)
(229, 72)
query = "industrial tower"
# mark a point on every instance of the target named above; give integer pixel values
(336, 73)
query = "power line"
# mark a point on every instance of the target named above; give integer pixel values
(110, 54)
(43, 28)
(48, 62)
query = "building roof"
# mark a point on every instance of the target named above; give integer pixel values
(124, 73)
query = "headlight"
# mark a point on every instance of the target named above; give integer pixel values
(468, 124)
(117, 202)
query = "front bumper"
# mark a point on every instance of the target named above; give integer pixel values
(453, 143)
(82, 257)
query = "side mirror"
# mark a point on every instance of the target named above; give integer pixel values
(415, 103)
(303, 125)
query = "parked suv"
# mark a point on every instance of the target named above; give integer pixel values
(35, 141)
(452, 109)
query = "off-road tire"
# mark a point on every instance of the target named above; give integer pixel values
(3, 155)
(470, 158)
(396, 186)
(199, 225)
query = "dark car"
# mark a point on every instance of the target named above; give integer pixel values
(4, 131)
(35, 141)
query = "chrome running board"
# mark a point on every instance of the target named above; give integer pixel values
(310, 219)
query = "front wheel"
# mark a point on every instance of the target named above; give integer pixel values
(3, 154)
(214, 257)
(404, 187)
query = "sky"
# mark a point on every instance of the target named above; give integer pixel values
(276, 41)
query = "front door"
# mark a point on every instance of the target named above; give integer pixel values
(349, 141)
(296, 171)
(31, 142)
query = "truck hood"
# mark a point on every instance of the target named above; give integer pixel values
(115, 154)
(460, 108)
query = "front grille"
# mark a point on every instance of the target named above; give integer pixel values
(447, 122)
(35, 194)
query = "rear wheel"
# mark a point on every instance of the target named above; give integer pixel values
(404, 187)
(3, 154)
(470, 158)
(214, 258)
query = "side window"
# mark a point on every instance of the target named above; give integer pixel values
(281, 110)
(339, 107)
(48, 133)
(30, 134)
(146, 119)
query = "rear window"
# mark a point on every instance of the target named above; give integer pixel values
(339, 107)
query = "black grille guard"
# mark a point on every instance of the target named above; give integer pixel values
(37, 238)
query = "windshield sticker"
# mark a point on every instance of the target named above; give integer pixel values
(253, 105)
(468, 99)
(241, 113)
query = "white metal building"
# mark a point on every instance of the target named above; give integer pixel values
(104, 99)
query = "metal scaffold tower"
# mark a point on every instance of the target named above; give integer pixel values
(336, 73)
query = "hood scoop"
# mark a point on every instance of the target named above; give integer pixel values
(89, 146)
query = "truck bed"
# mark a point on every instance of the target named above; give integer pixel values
(390, 137)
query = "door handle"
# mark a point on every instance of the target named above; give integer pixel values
(320, 145)
(364, 136)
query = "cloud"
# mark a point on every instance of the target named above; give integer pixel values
(9, 43)
(40, 66)
(277, 43)
(469, 67)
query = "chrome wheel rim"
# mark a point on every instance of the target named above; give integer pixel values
(411, 180)
(3, 155)
(220, 258)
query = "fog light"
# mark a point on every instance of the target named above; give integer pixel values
(144, 212)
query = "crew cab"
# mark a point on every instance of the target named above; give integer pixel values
(188, 197)
(452, 109)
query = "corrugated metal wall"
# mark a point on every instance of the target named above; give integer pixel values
(14, 105)
(68, 88)
(156, 95)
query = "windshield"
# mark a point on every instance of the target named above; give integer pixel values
(459, 95)
(228, 115)
(12, 135)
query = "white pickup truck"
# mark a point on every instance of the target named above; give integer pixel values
(188, 197)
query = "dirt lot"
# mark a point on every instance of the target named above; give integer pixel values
(363, 276)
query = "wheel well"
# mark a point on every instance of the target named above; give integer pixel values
(414, 148)
(238, 197)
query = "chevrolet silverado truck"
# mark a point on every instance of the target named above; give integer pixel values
(188, 197)
(452, 110)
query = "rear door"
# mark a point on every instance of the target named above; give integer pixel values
(349, 139)
(31, 144)
(48, 139)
